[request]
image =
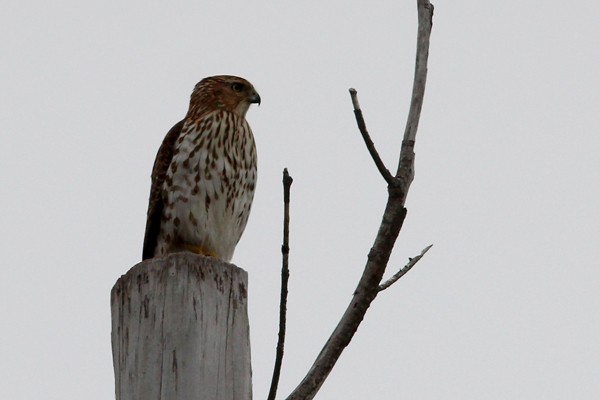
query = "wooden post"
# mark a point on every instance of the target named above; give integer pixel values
(180, 330)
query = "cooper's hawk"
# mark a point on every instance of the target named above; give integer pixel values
(204, 174)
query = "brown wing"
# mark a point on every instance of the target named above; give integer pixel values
(156, 203)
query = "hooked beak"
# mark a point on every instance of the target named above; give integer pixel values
(255, 98)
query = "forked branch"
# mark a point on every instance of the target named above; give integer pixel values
(393, 217)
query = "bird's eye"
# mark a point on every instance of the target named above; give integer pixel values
(237, 87)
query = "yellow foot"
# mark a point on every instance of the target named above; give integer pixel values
(200, 250)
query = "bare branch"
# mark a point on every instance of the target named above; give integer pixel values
(362, 127)
(411, 263)
(407, 155)
(393, 217)
(285, 274)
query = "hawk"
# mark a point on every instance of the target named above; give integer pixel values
(204, 174)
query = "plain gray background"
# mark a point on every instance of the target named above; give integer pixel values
(504, 306)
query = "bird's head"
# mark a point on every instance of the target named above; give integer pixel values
(226, 92)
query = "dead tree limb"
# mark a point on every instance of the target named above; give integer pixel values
(411, 263)
(362, 127)
(406, 164)
(285, 275)
(393, 217)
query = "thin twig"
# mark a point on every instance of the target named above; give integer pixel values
(285, 274)
(362, 127)
(404, 270)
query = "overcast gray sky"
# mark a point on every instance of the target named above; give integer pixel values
(504, 306)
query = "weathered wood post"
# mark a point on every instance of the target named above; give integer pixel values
(180, 330)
